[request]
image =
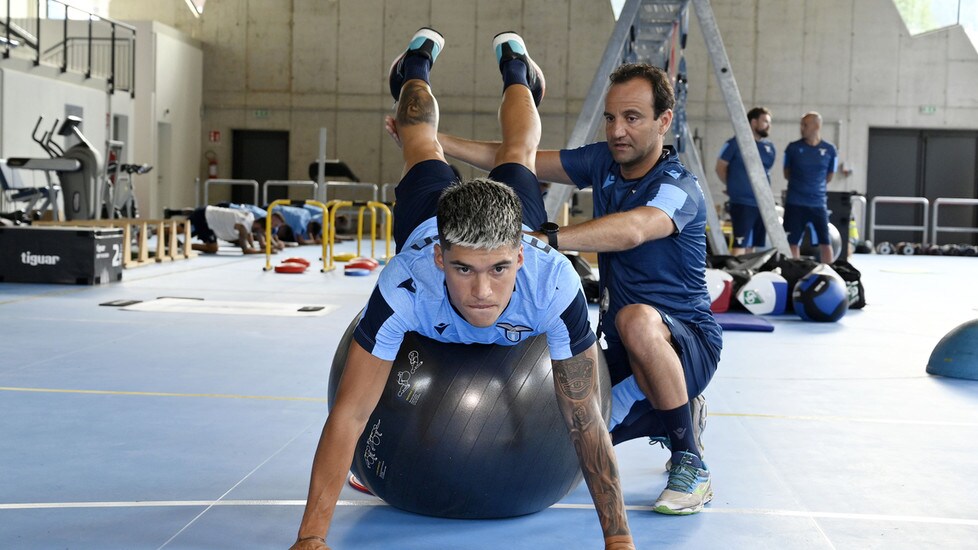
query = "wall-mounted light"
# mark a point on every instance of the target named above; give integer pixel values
(196, 6)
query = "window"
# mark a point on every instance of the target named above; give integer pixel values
(927, 15)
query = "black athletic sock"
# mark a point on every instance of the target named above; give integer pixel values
(514, 72)
(416, 66)
(679, 425)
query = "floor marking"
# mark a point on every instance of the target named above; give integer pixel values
(902, 422)
(59, 292)
(233, 487)
(909, 271)
(168, 394)
(559, 506)
(230, 307)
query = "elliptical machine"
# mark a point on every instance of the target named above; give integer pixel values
(58, 164)
(82, 189)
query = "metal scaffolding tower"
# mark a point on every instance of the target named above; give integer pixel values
(654, 32)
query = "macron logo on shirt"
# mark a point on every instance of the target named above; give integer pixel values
(675, 175)
(408, 285)
(610, 180)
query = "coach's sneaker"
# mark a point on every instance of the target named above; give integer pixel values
(697, 409)
(508, 45)
(426, 43)
(688, 488)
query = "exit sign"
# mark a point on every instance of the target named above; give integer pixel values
(261, 113)
(928, 109)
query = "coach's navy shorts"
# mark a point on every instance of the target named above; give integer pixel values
(748, 226)
(699, 359)
(417, 194)
(796, 218)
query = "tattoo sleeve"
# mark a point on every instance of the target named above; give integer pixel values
(576, 384)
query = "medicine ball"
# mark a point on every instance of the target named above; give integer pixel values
(719, 284)
(821, 296)
(468, 430)
(809, 248)
(907, 249)
(766, 293)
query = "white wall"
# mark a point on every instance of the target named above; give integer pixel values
(169, 75)
(27, 92)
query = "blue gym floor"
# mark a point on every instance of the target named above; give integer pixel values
(131, 430)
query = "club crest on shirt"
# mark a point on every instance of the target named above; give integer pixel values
(823, 151)
(513, 332)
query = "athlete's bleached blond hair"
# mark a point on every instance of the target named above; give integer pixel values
(480, 213)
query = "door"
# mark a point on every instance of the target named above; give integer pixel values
(259, 155)
(164, 157)
(923, 163)
(949, 171)
(893, 171)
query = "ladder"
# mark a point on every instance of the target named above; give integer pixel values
(654, 32)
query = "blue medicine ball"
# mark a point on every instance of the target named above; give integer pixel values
(820, 296)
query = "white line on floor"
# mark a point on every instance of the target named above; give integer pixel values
(562, 506)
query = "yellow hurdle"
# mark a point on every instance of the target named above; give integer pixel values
(363, 205)
(328, 243)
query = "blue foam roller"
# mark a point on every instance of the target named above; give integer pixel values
(956, 355)
(356, 271)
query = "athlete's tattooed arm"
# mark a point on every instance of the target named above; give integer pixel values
(576, 382)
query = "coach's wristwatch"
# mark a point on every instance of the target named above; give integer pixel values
(550, 229)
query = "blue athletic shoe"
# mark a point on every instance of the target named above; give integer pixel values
(688, 488)
(508, 45)
(427, 43)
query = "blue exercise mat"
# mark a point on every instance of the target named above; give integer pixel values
(743, 321)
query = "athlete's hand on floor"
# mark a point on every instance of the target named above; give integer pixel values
(310, 543)
(623, 542)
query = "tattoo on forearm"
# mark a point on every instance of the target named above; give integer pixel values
(600, 472)
(574, 380)
(416, 106)
(575, 376)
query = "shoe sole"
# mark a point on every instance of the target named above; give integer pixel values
(508, 36)
(430, 34)
(663, 509)
(423, 32)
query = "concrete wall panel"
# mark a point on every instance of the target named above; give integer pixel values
(455, 74)
(314, 45)
(325, 62)
(875, 66)
(781, 29)
(360, 64)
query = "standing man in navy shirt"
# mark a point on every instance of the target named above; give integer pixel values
(649, 231)
(809, 165)
(748, 226)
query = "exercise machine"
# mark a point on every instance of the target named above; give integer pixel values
(54, 168)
